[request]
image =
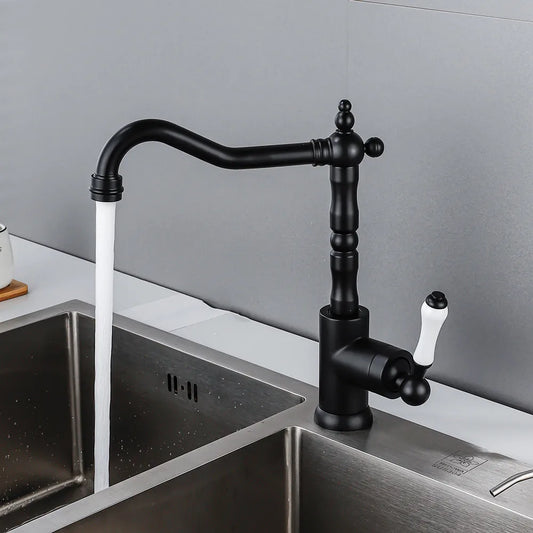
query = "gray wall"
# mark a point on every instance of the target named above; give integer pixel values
(448, 206)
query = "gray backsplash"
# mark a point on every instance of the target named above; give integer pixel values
(448, 206)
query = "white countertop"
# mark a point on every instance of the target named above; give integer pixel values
(54, 277)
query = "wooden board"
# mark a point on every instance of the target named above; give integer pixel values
(14, 289)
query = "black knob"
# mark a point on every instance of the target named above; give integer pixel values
(374, 147)
(437, 300)
(415, 391)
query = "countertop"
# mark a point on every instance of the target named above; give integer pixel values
(54, 277)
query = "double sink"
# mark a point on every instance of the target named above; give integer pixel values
(201, 441)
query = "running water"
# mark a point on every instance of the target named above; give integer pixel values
(105, 243)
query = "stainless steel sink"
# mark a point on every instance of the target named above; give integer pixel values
(299, 481)
(283, 474)
(169, 397)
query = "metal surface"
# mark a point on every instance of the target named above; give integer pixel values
(511, 481)
(165, 402)
(297, 480)
(285, 474)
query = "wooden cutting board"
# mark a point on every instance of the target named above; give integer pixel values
(14, 289)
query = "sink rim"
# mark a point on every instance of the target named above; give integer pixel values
(397, 441)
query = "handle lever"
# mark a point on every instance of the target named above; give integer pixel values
(415, 389)
(433, 313)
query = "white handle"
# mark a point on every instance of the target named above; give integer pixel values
(432, 320)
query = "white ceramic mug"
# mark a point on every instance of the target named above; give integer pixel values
(6, 258)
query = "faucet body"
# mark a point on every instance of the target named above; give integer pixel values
(351, 364)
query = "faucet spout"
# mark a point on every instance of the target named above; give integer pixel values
(200, 147)
(107, 183)
(344, 148)
(510, 481)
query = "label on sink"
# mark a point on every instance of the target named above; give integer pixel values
(459, 463)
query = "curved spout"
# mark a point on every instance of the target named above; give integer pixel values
(193, 144)
(106, 183)
(343, 149)
(510, 481)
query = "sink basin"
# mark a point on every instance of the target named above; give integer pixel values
(169, 396)
(180, 463)
(299, 481)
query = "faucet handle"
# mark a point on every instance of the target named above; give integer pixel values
(433, 313)
(415, 389)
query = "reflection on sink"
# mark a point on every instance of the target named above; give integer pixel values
(165, 402)
(299, 481)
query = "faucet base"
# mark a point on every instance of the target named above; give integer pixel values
(361, 420)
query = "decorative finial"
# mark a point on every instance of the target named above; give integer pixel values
(344, 119)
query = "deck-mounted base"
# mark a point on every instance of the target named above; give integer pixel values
(361, 420)
(342, 405)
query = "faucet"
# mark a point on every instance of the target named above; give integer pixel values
(351, 363)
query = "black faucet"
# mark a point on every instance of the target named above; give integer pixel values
(351, 363)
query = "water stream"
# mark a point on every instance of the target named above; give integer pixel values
(105, 244)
